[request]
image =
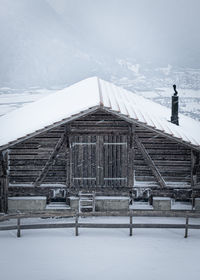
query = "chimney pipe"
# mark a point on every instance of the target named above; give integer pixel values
(174, 117)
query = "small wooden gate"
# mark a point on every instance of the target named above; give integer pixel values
(98, 160)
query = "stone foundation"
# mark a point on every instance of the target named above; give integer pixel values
(74, 202)
(197, 203)
(104, 203)
(161, 203)
(26, 203)
(111, 203)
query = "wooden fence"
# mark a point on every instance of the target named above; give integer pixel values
(77, 224)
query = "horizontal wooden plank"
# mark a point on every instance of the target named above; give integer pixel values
(35, 162)
(99, 123)
(164, 146)
(35, 167)
(23, 152)
(26, 145)
(166, 152)
(166, 178)
(101, 225)
(164, 168)
(31, 179)
(36, 173)
(46, 226)
(165, 157)
(99, 117)
(136, 213)
(37, 157)
(99, 129)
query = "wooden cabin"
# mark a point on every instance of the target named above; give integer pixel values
(95, 136)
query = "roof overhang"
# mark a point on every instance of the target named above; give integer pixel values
(93, 110)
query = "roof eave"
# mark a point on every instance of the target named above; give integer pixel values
(92, 110)
(162, 133)
(47, 128)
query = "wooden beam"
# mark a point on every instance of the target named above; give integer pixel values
(4, 181)
(99, 161)
(195, 163)
(130, 147)
(150, 163)
(67, 155)
(50, 161)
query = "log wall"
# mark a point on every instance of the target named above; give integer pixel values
(173, 160)
(27, 159)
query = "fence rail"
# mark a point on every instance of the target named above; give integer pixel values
(77, 224)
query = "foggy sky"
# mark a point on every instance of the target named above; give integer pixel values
(153, 29)
(53, 41)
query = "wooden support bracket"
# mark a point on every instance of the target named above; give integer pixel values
(150, 163)
(50, 161)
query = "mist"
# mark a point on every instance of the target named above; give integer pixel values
(58, 42)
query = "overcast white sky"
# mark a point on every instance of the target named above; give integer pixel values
(51, 41)
(154, 29)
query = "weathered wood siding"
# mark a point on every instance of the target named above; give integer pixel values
(99, 152)
(173, 160)
(27, 159)
(76, 160)
(99, 160)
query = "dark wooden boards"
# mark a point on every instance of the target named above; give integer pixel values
(172, 160)
(100, 153)
(4, 181)
(150, 163)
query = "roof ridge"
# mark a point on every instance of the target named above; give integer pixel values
(88, 95)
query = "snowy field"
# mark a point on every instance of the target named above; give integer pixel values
(99, 254)
(11, 99)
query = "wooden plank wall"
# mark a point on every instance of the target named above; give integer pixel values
(173, 160)
(27, 159)
(105, 133)
(1, 187)
(83, 161)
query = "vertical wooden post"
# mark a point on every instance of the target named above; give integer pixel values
(18, 227)
(131, 224)
(4, 181)
(193, 173)
(76, 224)
(130, 145)
(71, 159)
(99, 161)
(67, 156)
(186, 226)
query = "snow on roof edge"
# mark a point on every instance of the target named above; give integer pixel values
(94, 93)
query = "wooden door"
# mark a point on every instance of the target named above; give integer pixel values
(83, 161)
(115, 161)
(98, 161)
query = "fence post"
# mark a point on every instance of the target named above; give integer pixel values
(131, 224)
(18, 227)
(186, 226)
(76, 224)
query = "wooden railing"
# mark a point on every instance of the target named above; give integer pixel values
(77, 224)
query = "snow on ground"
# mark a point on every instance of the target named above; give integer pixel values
(101, 253)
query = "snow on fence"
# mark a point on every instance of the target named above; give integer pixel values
(76, 224)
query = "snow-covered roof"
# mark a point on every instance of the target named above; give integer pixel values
(86, 96)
